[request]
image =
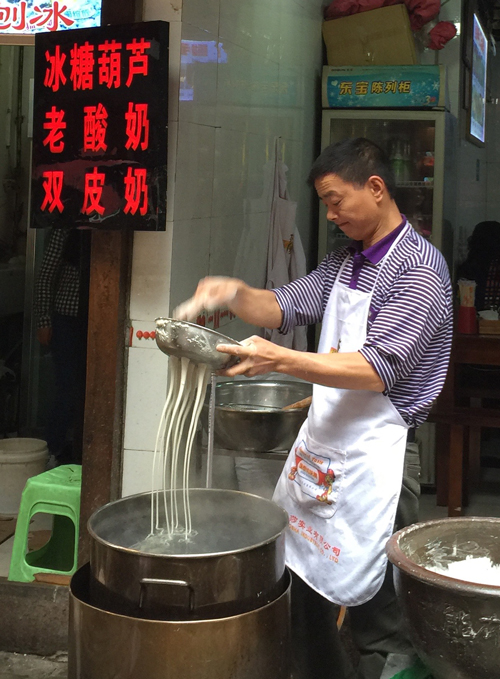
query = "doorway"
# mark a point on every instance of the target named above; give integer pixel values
(16, 85)
(38, 268)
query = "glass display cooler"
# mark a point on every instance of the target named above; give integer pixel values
(419, 149)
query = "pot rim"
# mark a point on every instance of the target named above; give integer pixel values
(259, 383)
(399, 559)
(259, 411)
(271, 382)
(211, 555)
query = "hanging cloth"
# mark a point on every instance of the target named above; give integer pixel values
(286, 260)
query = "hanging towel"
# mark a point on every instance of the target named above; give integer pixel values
(251, 257)
(286, 259)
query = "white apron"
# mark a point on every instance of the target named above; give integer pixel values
(342, 479)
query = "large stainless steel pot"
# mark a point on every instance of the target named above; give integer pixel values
(236, 563)
(104, 645)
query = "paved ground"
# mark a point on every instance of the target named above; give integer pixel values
(19, 666)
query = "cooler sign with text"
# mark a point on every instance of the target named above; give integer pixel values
(100, 127)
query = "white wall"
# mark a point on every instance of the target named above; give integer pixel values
(265, 85)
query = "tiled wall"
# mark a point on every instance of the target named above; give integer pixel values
(264, 86)
(150, 295)
(225, 115)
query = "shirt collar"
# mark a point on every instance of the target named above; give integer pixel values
(379, 250)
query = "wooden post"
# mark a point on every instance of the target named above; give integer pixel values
(103, 426)
(111, 256)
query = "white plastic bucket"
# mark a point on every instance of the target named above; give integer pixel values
(19, 460)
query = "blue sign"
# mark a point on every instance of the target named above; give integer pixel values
(383, 87)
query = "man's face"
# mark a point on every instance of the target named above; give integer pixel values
(354, 209)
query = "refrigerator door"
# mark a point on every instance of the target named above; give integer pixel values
(414, 143)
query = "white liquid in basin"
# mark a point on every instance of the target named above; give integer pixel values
(481, 571)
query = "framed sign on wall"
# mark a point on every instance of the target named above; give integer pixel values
(100, 127)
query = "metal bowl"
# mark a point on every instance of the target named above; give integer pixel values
(189, 340)
(248, 415)
(453, 624)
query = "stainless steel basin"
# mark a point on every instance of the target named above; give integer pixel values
(248, 415)
(453, 624)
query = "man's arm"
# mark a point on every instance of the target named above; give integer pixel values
(419, 308)
(254, 306)
(257, 307)
(348, 370)
(297, 303)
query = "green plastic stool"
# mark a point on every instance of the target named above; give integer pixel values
(418, 671)
(55, 492)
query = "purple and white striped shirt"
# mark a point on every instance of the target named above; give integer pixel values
(410, 321)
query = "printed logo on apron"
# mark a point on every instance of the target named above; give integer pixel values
(318, 475)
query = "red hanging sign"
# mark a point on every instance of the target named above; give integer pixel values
(100, 127)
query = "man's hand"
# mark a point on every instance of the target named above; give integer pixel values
(257, 357)
(212, 292)
(44, 335)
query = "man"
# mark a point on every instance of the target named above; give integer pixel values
(385, 304)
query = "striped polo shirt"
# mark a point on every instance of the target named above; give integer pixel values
(410, 320)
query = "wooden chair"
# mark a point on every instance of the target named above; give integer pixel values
(460, 416)
(458, 462)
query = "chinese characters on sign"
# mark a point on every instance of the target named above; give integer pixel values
(383, 87)
(100, 127)
(23, 17)
(361, 87)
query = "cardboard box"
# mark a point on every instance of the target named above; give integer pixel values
(384, 86)
(381, 37)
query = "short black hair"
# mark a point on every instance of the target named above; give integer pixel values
(354, 161)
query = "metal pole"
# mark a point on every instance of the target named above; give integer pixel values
(211, 426)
